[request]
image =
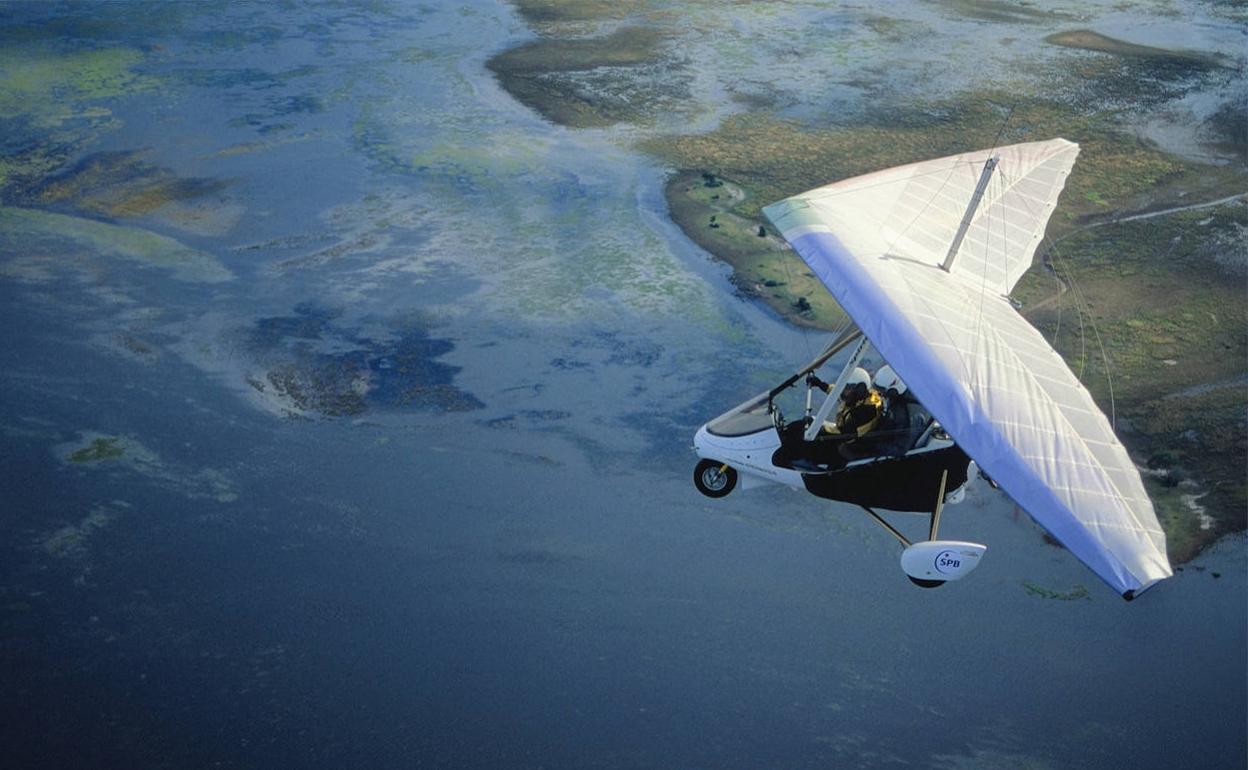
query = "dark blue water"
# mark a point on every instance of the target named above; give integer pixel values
(495, 558)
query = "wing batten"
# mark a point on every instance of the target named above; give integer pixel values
(992, 380)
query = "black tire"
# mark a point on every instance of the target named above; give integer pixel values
(712, 481)
(921, 583)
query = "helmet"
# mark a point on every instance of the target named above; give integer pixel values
(887, 380)
(857, 383)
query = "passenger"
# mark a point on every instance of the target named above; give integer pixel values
(896, 431)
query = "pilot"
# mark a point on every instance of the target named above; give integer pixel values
(860, 410)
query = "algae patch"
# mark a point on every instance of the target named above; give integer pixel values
(95, 448)
(72, 540)
(52, 87)
(27, 231)
(98, 452)
(101, 448)
(118, 184)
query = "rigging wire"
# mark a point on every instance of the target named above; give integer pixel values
(788, 277)
(996, 141)
(1082, 308)
(1061, 289)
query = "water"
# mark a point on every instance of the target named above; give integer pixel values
(508, 566)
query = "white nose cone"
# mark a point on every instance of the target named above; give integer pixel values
(941, 559)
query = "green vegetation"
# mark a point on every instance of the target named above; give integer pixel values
(1162, 295)
(763, 266)
(1074, 594)
(570, 74)
(1229, 127)
(100, 449)
(49, 86)
(51, 103)
(54, 103)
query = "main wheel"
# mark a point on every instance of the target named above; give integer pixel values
(713, 478)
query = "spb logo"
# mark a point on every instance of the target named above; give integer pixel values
(948, 562)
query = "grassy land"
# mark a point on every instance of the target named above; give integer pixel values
(764, 267)
(768, 159)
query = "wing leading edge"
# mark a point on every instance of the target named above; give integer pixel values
(992, 380)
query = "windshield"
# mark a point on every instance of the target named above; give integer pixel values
(789, 397)
(770, 408)
(751, 417)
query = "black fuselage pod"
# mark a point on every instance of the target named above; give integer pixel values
(911, 482)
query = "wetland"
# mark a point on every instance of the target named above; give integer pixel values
(354, 350)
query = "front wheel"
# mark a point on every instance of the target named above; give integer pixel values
(713, 478)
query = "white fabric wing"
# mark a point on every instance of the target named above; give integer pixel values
(914, 211)
(992, 380)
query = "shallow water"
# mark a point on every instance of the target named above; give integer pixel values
(495, 556)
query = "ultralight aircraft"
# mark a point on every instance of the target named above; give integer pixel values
(922, 259)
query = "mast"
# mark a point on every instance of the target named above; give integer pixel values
(970, 212)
